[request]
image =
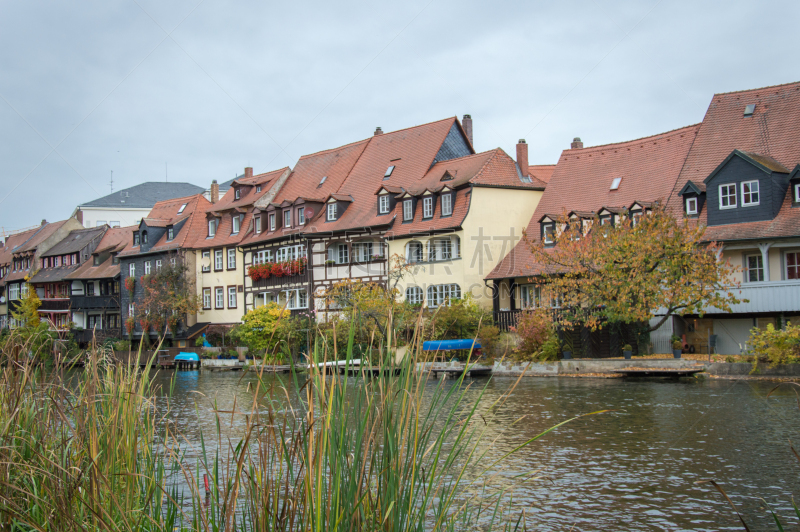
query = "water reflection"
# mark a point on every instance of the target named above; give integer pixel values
(631, 469)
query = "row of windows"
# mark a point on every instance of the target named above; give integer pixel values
(754, 267)
(294, 299)
(728, 195)
(60, 260)
(22, 264)
(17, 291)
(219, 297)
(362, 252)
(530, 296)
(437, 295)
(219, 259)
(283, 254)
(427, 207)
(148, 266)
(438, 249)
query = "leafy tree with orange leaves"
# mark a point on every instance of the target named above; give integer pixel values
(643, 266)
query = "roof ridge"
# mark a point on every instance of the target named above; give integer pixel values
(670, 133)
(758, 89)
(421, 125)
(486, 162)
(329, 150)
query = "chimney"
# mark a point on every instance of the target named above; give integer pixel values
(44, 222)
(214, 192)
(467, 124)
(576, 144)
(522, 156)
(378, 131)
(248, 172)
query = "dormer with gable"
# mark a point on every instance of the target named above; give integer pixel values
(794, 186)
(693, 199)
(610, 215)
(408, 206)
(581, 221)
(387, 199)
(336, 205)
(547, 229)
(746, 187)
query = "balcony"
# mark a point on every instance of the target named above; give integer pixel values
(277, 282)
(54, 304)
(773, 296)
(95, 302)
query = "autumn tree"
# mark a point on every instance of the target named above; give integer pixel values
(264, 328)
(31, 335)
(169, 296)
(643, 266)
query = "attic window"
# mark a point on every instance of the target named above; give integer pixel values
(447, 176)
(615, 183)
(388, 172)
(237, 194)
(180, 211)
(258, 188)
(749, 109)
(321, 181)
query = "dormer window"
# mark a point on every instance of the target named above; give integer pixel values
(237, 194)
(549, 233)
(750, 193)
(797, 193)
(135, 239)
(257, 224)
(447, 204)
(427, 207)
(144, 237)
(301, 216)
(606, 220)
(258, 188)
(212, 228)
(180, 211)
(170, 233)
(237, 221)
(331, 212)
(388, 173)
(408, 210)
(272, 221)
(287, 218)
(383, 204)
(727, 196)
(691, 206)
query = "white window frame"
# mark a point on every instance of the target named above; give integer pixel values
(530, 296)
(440, 249)
(750, 192)
(170, 234)
(231, 258)
(339, 253)
(219, 262)
(206, 255)
(132, 269)
(212, 228)
(363, 251)
(257, 224)
(296, 298)
(272, 221)
(180, 211)
(158, 264)
(331, 212)
(549, 236)
(231, 297)
(410, 253)
(131, 310)
(219, 297)
(441, 293)
(301, 216)
(728, 195)
(236, 223)
(414, 295)
(691, 205)
(262, 257)
(206, 298)
(13, 292)
(408, 210)
(147, 267)
(759, 269)
(796, 265)
(427, 207)
(447, 204)
(287, 218)
(797, 193)
(383, 204)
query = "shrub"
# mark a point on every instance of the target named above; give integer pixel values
(778, 346)
(122, 345)
(488, 335)
(549, 350)
(627, 347)
(534, 329)
(677, 344)
(460, 319)
(199, 341)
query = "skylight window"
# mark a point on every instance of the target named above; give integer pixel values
(321, 181)
(180, 211)
(388, 172)
(749, 109)
(615, 183)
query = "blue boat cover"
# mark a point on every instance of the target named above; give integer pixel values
(446, 345)
(187, 357)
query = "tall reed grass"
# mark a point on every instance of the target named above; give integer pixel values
(93, 449)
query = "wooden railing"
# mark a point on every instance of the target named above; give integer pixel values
(504, 319)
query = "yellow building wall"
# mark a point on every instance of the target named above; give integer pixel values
(736, 257)
(493, 225)
(224, 278)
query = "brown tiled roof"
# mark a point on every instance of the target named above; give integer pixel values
(75, 241)
(649, 168)
(167, 211)
(772, 131)
(53, 275)
(248, 194)
(40, 236)
(116, 239)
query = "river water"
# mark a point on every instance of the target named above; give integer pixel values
(635, 468)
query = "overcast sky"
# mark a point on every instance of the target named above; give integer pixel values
(210, 87)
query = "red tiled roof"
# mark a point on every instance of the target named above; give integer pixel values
(248, 194)
(771, 131)
(30, 244)
(542, 172)
(115, 239)
(12, 242)
(166, 213)
(411, 151)
(581, 181)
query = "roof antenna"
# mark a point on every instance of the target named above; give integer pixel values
(166, 173)
(112, 181)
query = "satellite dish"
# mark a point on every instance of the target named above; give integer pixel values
(309, 212)
(2, 299)
(206, 261)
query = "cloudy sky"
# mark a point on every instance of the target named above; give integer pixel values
(209, 87)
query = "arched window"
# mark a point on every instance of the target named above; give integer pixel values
(441, 294)
(414, 251)
(414, 295)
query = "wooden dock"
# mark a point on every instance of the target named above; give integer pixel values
(456, 372)
(658, 372)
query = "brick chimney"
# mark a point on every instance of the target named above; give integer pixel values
(467, 125)
(576, 144)
(214, 192)
(44, 222)
(378, 131)
(522, 156)
(248, 172)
